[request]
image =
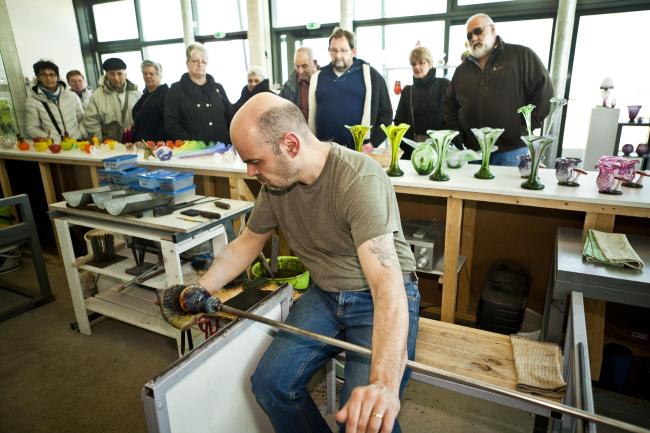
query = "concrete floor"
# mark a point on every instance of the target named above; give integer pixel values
(58, 380)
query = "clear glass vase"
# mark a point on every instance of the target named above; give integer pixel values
(358, 135)
(536, 148)
(394, 134)
(486, 138)
(441, 140)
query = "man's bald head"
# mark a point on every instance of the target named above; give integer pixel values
(266, 118)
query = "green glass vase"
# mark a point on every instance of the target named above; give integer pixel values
(486, 138)
(536, 147)
(441, 140)
(423, 158)
(358, 135)
(394, 134)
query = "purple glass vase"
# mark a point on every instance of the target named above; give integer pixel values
(564, 170)
(606, 176)
(642, 149)
(633, 111)
(627, 149)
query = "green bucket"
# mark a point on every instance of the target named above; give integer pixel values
(290, 269)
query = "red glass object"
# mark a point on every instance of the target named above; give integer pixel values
(398, 87)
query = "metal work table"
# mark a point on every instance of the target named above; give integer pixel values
(596, 281)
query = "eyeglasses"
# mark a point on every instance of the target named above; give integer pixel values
(202, 61)
(47, 75)
(478, 31)
(342, 51)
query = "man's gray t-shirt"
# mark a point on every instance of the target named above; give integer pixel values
(351, 202)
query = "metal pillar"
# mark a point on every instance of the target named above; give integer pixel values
(563, 33)
(188, 22)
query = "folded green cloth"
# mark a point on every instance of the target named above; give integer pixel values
(611, 249)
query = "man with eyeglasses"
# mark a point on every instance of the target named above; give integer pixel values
(491, 83)
(108, 114)
(296, 89)
(348, 91)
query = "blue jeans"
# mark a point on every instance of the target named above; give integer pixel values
(507, 158)
(283, 374)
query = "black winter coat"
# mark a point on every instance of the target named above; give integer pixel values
(194, 112)
(149, 115)
(420, 106)
(263, 86)
(513, 77)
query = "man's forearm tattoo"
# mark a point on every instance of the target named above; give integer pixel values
(384, 248)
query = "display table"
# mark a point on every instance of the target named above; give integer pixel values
(596, 282)
(135, 305)
(461, 192)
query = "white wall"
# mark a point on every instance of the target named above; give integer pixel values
(45, 28)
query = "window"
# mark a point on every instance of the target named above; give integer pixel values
(107, 14)
(231, 75)
(535, 34)
(391, 58)
(220, 16)
(372, 9)
(613, 53)
(133, 59)
(297, 13)
(479, 2)
(161, 19)
(172, 59)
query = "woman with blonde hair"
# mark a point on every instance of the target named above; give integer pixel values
(420, 105)
(257, 82)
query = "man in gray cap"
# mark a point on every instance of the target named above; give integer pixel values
(108, 114)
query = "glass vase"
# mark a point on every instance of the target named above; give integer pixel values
(358, 135)
(394, 134)
(441, 140)
(486, 138)
(536, 148)
(423, 158)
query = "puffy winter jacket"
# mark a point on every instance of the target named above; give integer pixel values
(67, 112)
(105, 116)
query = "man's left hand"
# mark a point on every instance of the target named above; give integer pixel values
(372, 408)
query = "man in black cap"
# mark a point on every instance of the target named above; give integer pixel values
(108, 114)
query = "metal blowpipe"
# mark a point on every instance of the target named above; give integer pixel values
(436, 372)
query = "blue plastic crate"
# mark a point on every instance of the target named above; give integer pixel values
(149, 179)
(105, 177)
(128, 176)
(176, 182)
(180, 195)
(120, 162)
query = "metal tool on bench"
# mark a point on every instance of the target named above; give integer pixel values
(169, 209)
(194, 299)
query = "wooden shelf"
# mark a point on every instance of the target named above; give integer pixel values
(438, 268)
(118, 270)
(134, 305)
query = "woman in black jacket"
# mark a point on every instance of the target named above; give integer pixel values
(149, 112)
(197, 107)
(420, 105)
(256, 83)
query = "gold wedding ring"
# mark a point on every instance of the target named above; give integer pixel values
(378, 415)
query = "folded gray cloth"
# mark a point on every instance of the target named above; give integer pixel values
(611, 249)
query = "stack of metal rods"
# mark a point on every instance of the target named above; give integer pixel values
(103, 246)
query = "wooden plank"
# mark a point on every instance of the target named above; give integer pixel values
(131, 302)
(6, 187)
(136, 318)
(595, 309)
(48, 184)
(467, 250)
(452, 250)
(595, 318)
(94, 178)
(469, 352)
(208, 186)
(239, 190)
